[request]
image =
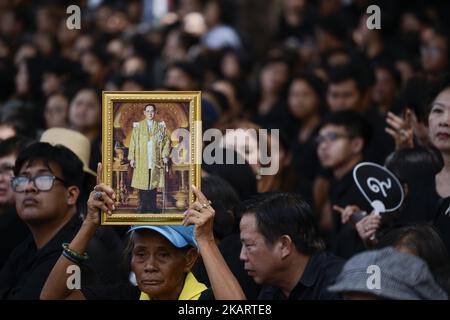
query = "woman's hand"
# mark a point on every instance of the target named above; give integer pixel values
(401, 129)
(201, 215)
(100, 200)
(368, 226)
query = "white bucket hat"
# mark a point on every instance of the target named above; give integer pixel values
(75, 141)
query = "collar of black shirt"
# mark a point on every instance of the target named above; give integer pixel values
(66, 234)
(315, 268)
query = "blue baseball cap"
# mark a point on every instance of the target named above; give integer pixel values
(179, 236)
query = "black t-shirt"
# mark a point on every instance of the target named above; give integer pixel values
(12, 232)
(230, 248)
(381, 143)
(278, 117)
(345, 241)
(125, 292)
(320, 273)
(27, 269)
(306, 164)
(95, 153)
(442, 222)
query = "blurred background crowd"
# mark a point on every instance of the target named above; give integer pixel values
(339, 92)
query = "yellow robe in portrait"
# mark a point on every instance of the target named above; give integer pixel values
(138, 151)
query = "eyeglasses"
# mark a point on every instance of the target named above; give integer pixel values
(330, 137)
(42, 183)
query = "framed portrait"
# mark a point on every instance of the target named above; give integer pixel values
(151, 154)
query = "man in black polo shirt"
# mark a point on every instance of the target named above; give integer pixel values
(281, 249)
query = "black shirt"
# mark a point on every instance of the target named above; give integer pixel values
(306, 164)
(381, 143)
(12, 232)
(320, 273)
(345, 241)
(442, 222)
(125, 291)
(278, 117)
(27, 269)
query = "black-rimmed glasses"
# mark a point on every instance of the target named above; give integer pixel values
(42, 183)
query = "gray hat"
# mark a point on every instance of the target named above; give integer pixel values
(402, 276)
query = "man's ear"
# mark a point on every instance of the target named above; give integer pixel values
(357, 145)
(73, 193)
(285, 246)
(191, 258)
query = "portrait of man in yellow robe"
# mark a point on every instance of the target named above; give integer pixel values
(148, 154)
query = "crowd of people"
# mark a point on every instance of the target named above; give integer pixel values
(339, 92)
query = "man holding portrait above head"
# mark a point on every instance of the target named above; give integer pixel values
(149, 156)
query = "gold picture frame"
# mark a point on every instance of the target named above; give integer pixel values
(176, 122)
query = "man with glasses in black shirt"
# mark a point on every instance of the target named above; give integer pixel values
(47, 185)
(343, 137)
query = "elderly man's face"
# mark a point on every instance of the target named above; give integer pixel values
(160, 268)
(149, 112)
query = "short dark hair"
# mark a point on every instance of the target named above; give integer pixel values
(350, 72)
(355, 124)
(425, 241)
(335, 26)
(279, 214)
(316, 84)
(192, 69)
(14, 145)
(97, 92)
(71, 166)
(390, 68)
(150, 104)
(436, 87)
(416, 166)
(225, 200)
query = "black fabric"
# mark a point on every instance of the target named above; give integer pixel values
(230, 248)
(12, 232)
(125, 291)
(298, 32)
(96, 153)
(320, 273)
(277, 118)
(27, 269)
(442, 222)
(306, 164)
(345, 241)
(381, 143)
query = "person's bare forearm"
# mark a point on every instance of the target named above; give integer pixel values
(224, 284)
(55, 287)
